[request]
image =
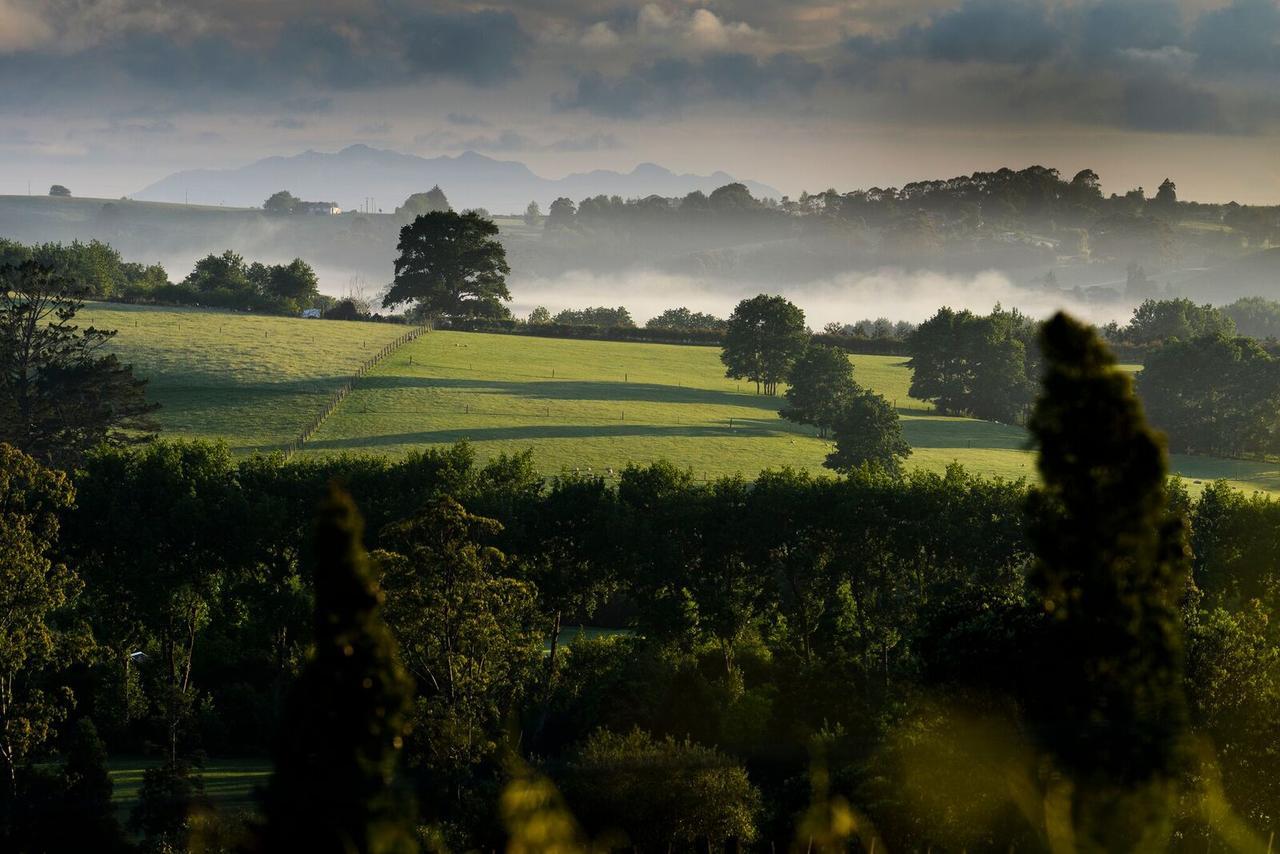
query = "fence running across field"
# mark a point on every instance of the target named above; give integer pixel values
(343, 390)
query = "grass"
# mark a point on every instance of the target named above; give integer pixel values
(252, 380)
(229, 783)
(597, 405)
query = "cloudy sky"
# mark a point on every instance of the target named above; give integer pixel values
(109, 95)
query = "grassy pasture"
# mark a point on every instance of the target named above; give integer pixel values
(251, 380)
(601, 404)
(229, 783)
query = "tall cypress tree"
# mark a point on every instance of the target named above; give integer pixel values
(333, 787)
(1108, 703)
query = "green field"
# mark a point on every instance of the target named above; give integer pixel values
(254, 381)
(597, 405)
(229, 783)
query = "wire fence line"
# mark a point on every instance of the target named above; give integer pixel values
(343, 390)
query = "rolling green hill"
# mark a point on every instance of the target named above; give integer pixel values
(253, 381)
(597, 405)
(589, 405)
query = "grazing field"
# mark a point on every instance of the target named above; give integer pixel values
(597, 405)
(228, 783)
(252, 380)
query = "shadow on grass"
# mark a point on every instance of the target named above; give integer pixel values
(743, 429)
(961, 434)
(578, 390)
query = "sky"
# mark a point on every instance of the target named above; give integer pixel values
(107, 96)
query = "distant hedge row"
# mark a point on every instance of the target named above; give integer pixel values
(699, 337)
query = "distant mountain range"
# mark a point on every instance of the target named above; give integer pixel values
(357, 172)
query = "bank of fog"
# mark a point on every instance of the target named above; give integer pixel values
(894, 294)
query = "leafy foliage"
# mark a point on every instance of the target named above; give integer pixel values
(819, 388)
(451, 264)
(34, 587)
(1214, 395)
(975, 365)
(765, 336)
(661, 792)
(867, 432)
(59, 396)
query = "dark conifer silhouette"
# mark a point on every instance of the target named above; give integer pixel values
(333, 788)
(1107, 701)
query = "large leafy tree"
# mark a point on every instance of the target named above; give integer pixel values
(294, 283)
(1110, 569)
(766, 335)
(34, 587)
(469, 634)
(60, 394)
(144, 532)
(451, 264)
(974, 365)
(820, 385)
(1160, 320)
(1214, 395)
(346, 717)
(867, 431)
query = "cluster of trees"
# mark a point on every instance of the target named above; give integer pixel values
(417, 204)
(766, 342)
(227, 281)
(1214, 394)
(1017, 215)
(985, 366)
(683, 319)
(601, 316)
(97, 271)
(60, 393)
(1156, 321)
(880, 329)
(925, 635)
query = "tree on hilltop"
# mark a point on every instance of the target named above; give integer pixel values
(416, 205)
(280, 202)
(451, 264)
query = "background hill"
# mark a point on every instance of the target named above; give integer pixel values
(357, 172)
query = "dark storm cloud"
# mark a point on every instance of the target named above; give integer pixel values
(1244, 36)
(1113, 26)
(669, 85)
(313, 51)
(990, 31)
(1142, 64)
(1129, 64)
(479, 47)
